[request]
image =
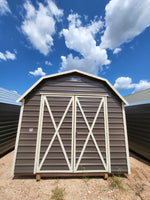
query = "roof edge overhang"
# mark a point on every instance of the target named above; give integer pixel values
(69, 72)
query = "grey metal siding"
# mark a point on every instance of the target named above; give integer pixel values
(139, 97)
(9, 115)
(138, 124)
(75, 84)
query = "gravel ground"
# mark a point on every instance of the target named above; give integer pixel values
(132, 187)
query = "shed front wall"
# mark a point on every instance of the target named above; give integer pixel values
(71, 84)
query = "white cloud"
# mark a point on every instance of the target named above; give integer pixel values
(58, 13)
(39, 25)
(83, 64)
(38, 72)
(2, 56)
(4, 8)
(81, 39)
(124, 20)
(126, 83)
(7, 56)
(48, 63)
(142, 85)
(10, 55)
(123, 83)
(117, 50)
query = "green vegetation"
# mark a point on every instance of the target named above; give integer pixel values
(58, 194)
(115, 182)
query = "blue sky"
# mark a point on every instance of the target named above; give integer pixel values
(110, 39)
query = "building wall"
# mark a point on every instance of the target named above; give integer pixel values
(9, 115)
(74, 84)
(138, 118)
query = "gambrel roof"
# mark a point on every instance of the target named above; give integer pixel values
(70, 72)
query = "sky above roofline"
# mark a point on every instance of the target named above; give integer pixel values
(109, 39)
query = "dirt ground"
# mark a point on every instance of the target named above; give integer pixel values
(132, 187)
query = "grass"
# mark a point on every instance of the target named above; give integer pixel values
(57, 193)
(115, 183)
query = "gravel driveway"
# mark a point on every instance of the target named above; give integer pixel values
(133, 187)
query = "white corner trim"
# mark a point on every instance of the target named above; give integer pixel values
(17, 137)
(126, 139)
(69, 72)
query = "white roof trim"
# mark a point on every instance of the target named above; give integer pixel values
(69, 72)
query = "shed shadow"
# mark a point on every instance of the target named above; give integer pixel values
(24, 177)
(139, 158)
(6, 152)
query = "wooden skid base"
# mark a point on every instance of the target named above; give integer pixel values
(105, 176)
(71, 175)
(38, 177)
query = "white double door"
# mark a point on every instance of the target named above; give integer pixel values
(73, 134)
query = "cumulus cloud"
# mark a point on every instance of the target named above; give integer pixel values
(7, 56)
(123, 83)
(124, 20)
(117, 50)
(82, 40)
(38, 72)
(39, 24)
(4, 8)
(126, 83)
(48, 63)
(83, 64)
(142, 85)
(58, 13)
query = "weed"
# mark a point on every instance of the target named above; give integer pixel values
(85, 178)
(139, 188)
(115, 183)
(58, 194)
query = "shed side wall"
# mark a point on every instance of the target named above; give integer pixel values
(74, 84)
(138, 118)
(9, 115)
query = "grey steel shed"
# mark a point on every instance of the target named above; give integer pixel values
(9, 115)
(71, 123)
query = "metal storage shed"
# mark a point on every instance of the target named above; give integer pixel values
(71, 123)
(138, 118)
(9, 114)
(138, 126)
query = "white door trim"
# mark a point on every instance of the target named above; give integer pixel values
(39, 133)
(90, 134)
(107, 144)
(72, 165)
(39, 165)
